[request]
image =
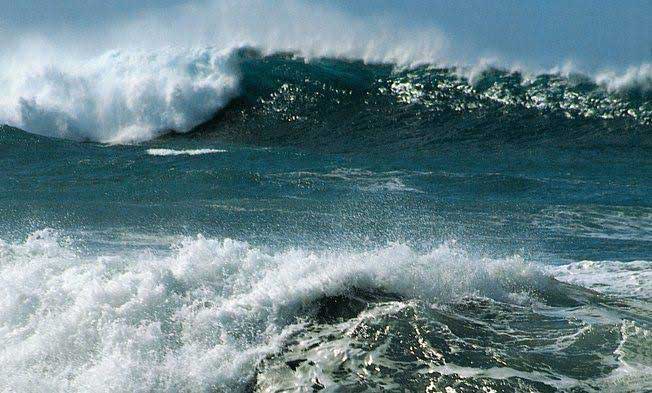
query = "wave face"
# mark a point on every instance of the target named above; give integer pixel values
(133, 96)
(354, 106)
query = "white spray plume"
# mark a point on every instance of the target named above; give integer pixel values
(636, 77)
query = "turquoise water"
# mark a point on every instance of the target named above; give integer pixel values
(339, 225)
(586, 203)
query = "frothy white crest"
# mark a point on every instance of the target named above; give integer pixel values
(136, 83)
(201, 316)
(120, 96)
(626, 279)
(638, 78)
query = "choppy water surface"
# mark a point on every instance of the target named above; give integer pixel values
(340, 227)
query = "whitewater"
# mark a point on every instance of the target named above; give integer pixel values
(201, 316)
(207, 312)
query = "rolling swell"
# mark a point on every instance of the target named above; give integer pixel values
(348, 105)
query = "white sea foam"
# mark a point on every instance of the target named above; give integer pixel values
(626, 279)
(633, 370)
(120, 96)
(198, 317)
(190, 152)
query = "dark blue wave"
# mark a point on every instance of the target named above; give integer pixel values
(350, 106)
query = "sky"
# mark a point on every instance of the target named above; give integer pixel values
(592, 34)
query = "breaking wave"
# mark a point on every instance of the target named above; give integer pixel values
(134, 96)
(121, 96)
(220, 314)
(203, 314)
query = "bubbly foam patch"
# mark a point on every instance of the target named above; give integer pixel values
(190, 152)
(201, 315)
(627, 279)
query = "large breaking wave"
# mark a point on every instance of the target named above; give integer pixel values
(134, 96)
(221, 315)
(202, 316)
(137, 79)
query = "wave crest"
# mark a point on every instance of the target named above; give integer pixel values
(121, 96)
(636, 80)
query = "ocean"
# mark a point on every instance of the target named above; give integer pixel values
(325, 224)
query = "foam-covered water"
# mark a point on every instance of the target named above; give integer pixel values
(204, 314)
(625, 279)
(201, 315)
